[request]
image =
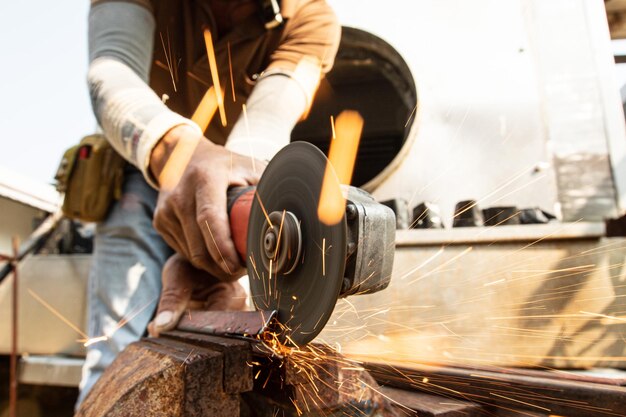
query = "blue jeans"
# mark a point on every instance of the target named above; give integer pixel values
(125, 276)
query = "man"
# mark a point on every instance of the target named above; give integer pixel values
(148, 72)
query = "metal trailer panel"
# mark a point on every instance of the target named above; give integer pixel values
(515, 104)
(549, 301)
(60, 281)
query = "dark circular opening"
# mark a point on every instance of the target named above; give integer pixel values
(371, 77)
(270, 241)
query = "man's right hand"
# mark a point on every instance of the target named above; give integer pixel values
(194, 175)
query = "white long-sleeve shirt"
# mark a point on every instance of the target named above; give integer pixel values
(134, 118)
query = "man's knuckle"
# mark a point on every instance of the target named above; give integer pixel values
(197, 173)
(199, 259)
(206, 213)
(157, 223)
(173, 295)
(177, 200)
(164, 211)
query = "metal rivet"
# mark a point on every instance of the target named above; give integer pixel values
(351, 211)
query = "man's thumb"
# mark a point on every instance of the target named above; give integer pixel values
(175, 296)
(164, 319)
(168, 313)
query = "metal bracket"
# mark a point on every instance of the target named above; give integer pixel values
(227, 323)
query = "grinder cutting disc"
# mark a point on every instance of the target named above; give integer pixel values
(295, 262)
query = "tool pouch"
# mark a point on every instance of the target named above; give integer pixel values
(90, 175)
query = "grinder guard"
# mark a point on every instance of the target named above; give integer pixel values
(371, 244)
(358, 251)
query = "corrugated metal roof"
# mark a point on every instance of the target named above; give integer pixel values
(17, 187)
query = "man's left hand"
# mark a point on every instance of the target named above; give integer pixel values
(188, 288)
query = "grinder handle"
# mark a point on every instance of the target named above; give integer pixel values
(239, 204)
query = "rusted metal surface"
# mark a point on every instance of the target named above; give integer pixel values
(227, 322)
(559, 374)
(237, 375)
(187, 374)
(162, 378)
(316, 378)
(504, 391)
(191, 374)
(419, 404)
(346, 392)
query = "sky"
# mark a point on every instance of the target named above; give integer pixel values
(44, 105)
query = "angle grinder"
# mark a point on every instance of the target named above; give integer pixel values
(298, 266)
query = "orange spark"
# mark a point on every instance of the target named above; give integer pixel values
(177, 162)
(56, 313)
(187, 358)
(205, 111)
(95, 340)
(264, 211)
(280, 231)
(607, 319)
(216, 247)
(254, 266)
(208, 40)
(230, 69)
(324, 256)
(168, 58)
(519, 401)
(123, 321)
(341, 159)
(270, 277)
(133, 313)
(422, 265)
(443, 265)
(411, 115)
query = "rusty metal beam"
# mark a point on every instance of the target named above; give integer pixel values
(162, 378)
(426, 405)
(237, 323)
(190, 374)
(237, 375)
(547, 395)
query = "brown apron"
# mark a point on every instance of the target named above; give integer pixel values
(179, 44)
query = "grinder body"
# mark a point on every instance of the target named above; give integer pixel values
(370, 238)
(298, 266)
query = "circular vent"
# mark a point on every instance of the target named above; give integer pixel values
(371, 77)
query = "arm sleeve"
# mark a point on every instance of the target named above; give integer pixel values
(131, 115)
(286, 89)
(273, 109)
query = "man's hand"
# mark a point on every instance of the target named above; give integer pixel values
(186, 287)
(191, 214)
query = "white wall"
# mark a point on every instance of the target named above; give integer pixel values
(15, 220)
(504, 86)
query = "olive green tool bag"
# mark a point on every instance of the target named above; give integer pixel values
(90, 174)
